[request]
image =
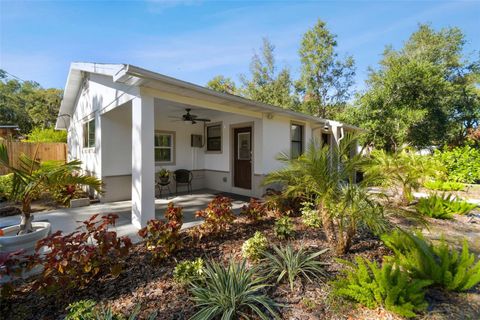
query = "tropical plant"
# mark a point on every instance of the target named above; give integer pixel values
(255, 210)
(29, 181)
(443, 206)
(462, 163)
(286, 262)
(163, 173)
(370, 285)
(441, 264)
(188, 271)
(74, 260)
(163, 238)
(253, 248)
(327, 175)
(444, 185)
(106, 313)
(283, 227)
(310, 216)
(403, 169)
(217, 216)
(232, 292)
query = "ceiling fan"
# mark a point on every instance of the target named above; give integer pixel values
(192, 117)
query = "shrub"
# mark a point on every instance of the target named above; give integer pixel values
(253, 248)
(74, 260)
(370, 285)
(6, 183)
(310, 216)
(462, 163)
(188, 271)
(440, 263)
(47, 135)
(444, 185)
(285, 262)
(282, 204)
(217, 216)
(443, 207)
(231, 292)
(255, 210)
(163, 238)
(283, 227)
(81, 310)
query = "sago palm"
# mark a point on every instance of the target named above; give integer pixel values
(30, 179)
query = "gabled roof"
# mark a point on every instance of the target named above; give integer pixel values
(135, 76)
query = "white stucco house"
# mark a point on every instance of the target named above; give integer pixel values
(125, 123)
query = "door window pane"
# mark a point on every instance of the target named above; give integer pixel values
(244, 146)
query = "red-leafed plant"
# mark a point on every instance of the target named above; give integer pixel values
(74, 260)
(11, 264)
(255, 210)
(163, 238)
(217, 216)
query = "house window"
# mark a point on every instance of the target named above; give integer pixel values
(214, 137)
(164, 147)
(89, 134)
(296, 138)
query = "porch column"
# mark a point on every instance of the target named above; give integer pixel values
(143, 162)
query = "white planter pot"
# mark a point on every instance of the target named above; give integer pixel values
(12, 242)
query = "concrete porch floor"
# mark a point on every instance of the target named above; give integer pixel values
(68, 219)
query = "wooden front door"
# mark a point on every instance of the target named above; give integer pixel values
(242, 161)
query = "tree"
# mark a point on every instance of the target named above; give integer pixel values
(326, 79)
(27, 104)
(222, 84)
(265, 84)
(423, 94)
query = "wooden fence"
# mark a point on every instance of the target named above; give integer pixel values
(44, 151)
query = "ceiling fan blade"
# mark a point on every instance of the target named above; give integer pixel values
(201, 119)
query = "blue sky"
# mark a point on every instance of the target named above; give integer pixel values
(196, 40)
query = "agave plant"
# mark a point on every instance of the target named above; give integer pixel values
(232, 292)
(30, 179)
(288, 263)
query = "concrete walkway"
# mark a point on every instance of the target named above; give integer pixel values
(68, 219)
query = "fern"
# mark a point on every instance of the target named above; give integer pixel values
(372, 286)
(440, 263)
(443, 207)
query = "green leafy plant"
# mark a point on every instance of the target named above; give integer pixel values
(29, 181)
(283, 227)
(253, 248)
(370, 285)
(106, 313)
(441, 264)
(444, 185)
(255, 210)
(232, 292)
(74, 260)
(47, 135)
(310, 216)
(163, 238)
(328, 175)
(462, 163)
(81, 310)
(6, 184)
(443, 206)
(279, 203)
(285, 262)
(188, 271)
(217, 216)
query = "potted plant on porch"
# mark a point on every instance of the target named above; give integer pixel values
(164, 175)
(30, 179)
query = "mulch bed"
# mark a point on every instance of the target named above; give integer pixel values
(152, 285)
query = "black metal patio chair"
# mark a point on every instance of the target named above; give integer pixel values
(183, 177)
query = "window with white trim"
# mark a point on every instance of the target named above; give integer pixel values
(164, 147)
(214, 137)
(89, 134)
(296, 140)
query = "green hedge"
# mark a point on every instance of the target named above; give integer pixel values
(462, 163)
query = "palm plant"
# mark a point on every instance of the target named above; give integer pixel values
(327, 177)
(30, 179)
(232, 292)
(403, 169)
(290, 263)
